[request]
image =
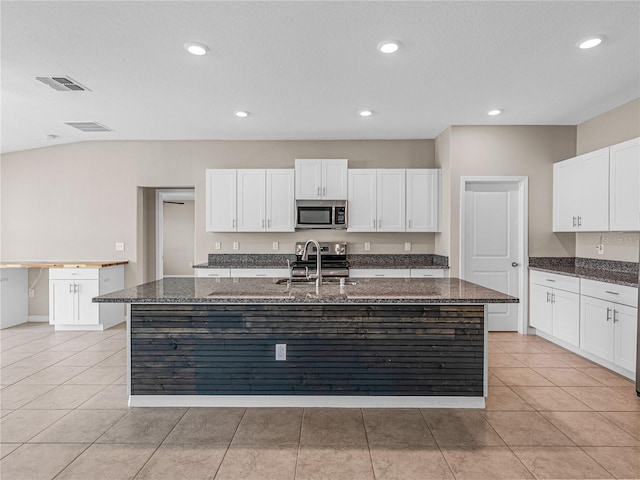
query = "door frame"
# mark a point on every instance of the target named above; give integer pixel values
(169, 194)
(523, 227)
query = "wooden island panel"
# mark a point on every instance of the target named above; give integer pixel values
(348, 349)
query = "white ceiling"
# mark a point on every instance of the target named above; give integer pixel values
(304, 69)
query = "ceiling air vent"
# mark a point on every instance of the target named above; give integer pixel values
(89, 126)
(62, 84)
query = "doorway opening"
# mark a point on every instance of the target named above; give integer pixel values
(175, 232)
(494, 250)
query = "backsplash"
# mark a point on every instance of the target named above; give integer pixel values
(585, 263)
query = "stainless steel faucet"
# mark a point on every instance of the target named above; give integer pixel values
(305, 256)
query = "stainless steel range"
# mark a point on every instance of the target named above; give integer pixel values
(333, 261)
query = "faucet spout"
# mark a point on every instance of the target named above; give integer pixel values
(305, 256)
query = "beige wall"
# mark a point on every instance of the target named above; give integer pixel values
(178, 240)
(615, 126)
(507, 151)
(73, 202)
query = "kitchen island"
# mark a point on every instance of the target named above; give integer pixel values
(255, 342)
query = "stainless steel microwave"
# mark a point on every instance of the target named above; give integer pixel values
(321, 214)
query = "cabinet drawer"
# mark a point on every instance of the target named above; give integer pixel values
(551, 280)
(259, 272)
(427, 273)
(213, 272)
(611, 292)
(74, 273)
(379, 272)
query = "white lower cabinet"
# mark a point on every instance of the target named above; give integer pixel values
(608, 329)
(242, 272)
(428, 273)
(213, 272)
(379, 272)
(555, 306)
(71, 291)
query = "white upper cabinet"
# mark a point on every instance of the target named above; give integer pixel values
(362, 200)
(390, 194)
(581, 193)
(624, 186)
(423, 200)
(280, 200)
(250, 200)
(321, 179)
(221, 200)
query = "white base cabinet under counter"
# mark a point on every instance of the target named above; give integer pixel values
(71, 291)
(608, 323)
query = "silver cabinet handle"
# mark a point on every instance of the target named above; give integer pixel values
(71, 288)
(608, 314)
(553, 298)
(574, 221)
(263, 223)
(324, 191)
(318, 194)
(579, 221)
(378, 274)
(547, 297)
(550, 280)
(233, 223)
(514, 264)
(615, 316)
(612, 293)
(374, 223)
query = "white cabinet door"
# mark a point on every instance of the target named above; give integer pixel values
(380, 273)
(334, 179)
(541, 309)
(86, 312)
(251, 209)
(213, 272)
(362, 200)
(566, 316)
(280, 200)
(61, 302)
(423, 200)
(221, 200)
(596, 331)
(625, 323)
(390, 200)
(566, 195)
(308, 179)
(624, 193)
(593, 215)
(427, 273)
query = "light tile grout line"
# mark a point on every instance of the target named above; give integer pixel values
(295, 471)
(229, 445)
(366, 436)
(453, 475)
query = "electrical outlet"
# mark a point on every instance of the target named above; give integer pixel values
(236, 246)
(31, 293)
(119, 246)
(367, 246)
(275, 245)
(218, 245)
(407, 246)
(600, 249)
(281, 351)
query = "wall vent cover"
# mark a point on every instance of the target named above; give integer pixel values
(89, 126)
(63, 84)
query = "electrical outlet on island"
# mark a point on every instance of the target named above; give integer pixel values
(600, 249)
(236, 245)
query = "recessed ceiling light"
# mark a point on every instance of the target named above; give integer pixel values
(494, 112)
(365, 113)
(590, 42)
(241, 114)
(196, 48)
(389, 46)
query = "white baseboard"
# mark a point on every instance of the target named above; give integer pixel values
(39, 318)
(336, 401)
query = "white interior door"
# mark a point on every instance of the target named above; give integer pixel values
(491, 245)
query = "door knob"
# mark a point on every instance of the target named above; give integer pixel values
(514, 264)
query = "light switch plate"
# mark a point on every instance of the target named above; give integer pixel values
(218, 246)
(600, 249)
(367, 246)
(407, 246)
(275, 245)
(236, 246)
(119, 246)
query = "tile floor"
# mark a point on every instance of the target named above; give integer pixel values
(550, 415)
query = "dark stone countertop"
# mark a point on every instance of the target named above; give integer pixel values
(272, 260)
(618, 273)
(266, 290)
